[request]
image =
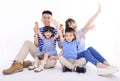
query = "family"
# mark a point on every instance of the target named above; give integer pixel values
(72, 56)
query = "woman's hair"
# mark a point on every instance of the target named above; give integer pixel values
(49, 29)
(70, 30)
(68, 21)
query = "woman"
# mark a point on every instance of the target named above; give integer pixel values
(91, 55)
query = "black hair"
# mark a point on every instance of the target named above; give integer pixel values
(49, 29)
(47, 12)
(69, 20)
(70, 30)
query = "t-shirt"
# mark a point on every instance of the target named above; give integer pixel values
(40, 45)
(81, 46)
(70, 49)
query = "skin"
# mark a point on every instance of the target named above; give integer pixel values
(89, 23)
(47, 20)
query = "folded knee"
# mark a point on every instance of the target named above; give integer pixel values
(83, 60)
(90, 48)
(27, 42)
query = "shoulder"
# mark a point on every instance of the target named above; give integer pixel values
(41, 29)
(76, 42)
(80, 31)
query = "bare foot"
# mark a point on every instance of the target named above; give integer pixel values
(101, 65)
(106, 63)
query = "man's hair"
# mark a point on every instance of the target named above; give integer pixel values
(47, 12)
(70, 30)
(70, 20)
(49, 29)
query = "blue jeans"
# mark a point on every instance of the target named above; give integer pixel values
(91, 55)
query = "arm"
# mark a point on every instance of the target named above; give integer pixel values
(59, 55)
(55, 23)
(91, 20)
(56, 57)
(36, 40)
(35, 29)
(38, 31)
(84, 32)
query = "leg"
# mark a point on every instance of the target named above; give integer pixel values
(17, 65)
(66, 63)
(79, 65)
(27, 47)
(43, 62)
(96, 54)
(35, 64)
(50, 64)
(80, 62)
(88, 56)
(102, 69)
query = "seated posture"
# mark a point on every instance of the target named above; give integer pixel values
(69, 60)
(49, 48)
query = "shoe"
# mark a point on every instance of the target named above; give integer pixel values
(31, 67)
(106, 71)
(39, 69)
(114, 67)
(80, 69)
(65, 69)
(26, 64)
(15, 67)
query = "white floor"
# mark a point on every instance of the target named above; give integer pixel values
(55, 74)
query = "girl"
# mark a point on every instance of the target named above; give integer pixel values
(91, 55)
(49, 48)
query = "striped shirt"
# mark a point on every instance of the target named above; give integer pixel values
(40, 45)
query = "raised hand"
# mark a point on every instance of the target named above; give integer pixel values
(92, 27)
(36, 27)
(54, 22)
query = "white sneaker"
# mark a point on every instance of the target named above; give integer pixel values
(39, 69)
(114, 68)
(31, 67)
(106, 71)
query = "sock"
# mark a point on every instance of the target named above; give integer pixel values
(42, 64)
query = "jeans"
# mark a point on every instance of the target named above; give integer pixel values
(91, 55)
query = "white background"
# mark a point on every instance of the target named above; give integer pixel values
(17, 19)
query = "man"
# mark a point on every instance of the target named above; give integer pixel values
(28, 47)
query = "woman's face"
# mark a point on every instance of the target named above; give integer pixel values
(72, 25)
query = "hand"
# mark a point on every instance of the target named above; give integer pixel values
(36, 28)
(61, 27)
(92, 27)
(99, 6)
(54, 22)
(53, 57)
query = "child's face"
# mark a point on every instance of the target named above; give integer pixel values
(72, 25)
(48, 34)
(46, 19)
(69, 36)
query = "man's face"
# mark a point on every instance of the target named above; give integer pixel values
(46, 19)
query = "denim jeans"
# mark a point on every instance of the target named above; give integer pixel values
(91, 55)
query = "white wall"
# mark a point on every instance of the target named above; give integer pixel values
(17, 20)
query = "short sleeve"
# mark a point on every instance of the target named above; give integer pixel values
(55, 32)
(80, 32)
